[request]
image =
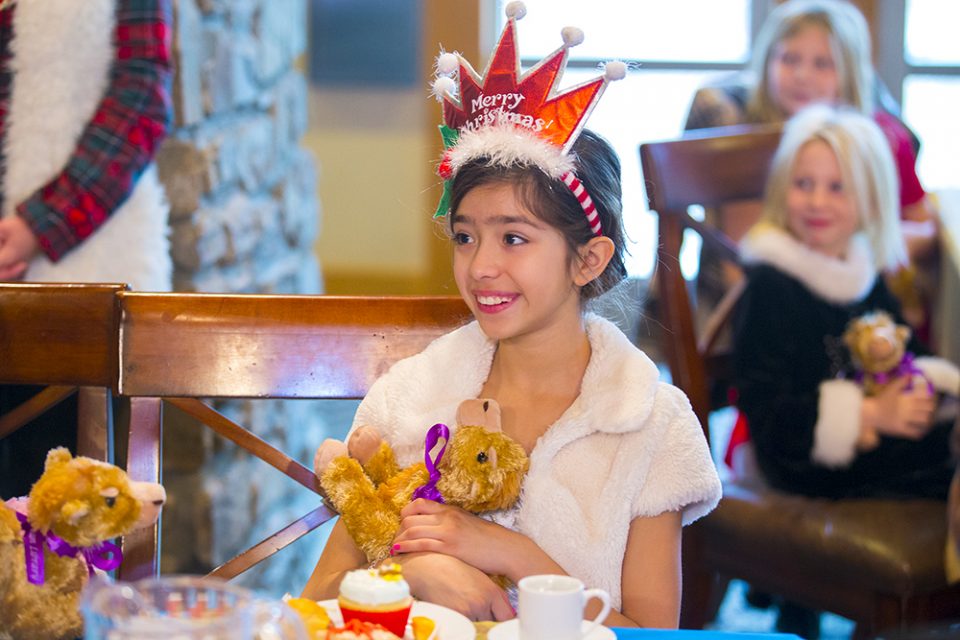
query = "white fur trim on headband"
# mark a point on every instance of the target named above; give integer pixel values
(508, 145)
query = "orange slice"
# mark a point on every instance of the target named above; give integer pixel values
(422, 627)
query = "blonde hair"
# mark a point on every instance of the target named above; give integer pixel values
(867, 167)
(849, 38)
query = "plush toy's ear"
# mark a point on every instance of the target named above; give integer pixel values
(57, 457)
(479, 412)
(850, 335)
(903, 333)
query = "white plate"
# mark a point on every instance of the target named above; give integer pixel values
(450, 624)
(510, 630)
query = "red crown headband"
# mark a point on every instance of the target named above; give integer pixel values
(514, 119)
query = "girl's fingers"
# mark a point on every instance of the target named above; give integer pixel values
(420, 505)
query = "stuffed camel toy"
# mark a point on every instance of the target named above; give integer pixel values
(51, 542)
(481, 470)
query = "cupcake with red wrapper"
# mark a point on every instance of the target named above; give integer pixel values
(380, 596)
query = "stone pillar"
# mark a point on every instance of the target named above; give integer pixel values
(244, 218)
(242, 191)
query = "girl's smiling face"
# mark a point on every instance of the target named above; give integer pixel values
(802, 71)
(513, 269)
(821, 209)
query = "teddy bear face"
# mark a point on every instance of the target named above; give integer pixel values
(483, 468)
(83, 501)
(876, 343)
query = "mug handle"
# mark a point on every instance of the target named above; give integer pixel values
(603, 597)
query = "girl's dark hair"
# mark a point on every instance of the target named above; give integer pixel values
(597, 167)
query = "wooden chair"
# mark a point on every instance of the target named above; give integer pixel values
(877, 562)
(62, 336)
(180, 348)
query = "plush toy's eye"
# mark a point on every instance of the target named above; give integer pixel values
(482, 456)
(110, 500)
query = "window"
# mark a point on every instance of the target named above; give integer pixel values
(674, 47)
(929, 74)
(670, 54)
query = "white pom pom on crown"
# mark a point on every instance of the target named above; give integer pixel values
(447, 64)
(443, 86)
(615, 70)
(572, 36)
(516, 10)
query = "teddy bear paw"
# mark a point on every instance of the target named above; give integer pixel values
(363, 443)
(326, 452)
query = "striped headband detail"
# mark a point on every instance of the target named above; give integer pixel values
(580, 192)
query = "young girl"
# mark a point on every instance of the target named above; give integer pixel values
(829, 226)
(618, 462)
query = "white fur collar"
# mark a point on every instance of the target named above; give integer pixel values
(838, 281)
(460, 362)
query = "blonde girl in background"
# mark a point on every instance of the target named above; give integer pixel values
(830, 226)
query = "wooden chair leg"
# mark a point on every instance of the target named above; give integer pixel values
(95, 423)
(700, 601)
(144, 455)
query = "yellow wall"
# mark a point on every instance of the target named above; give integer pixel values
(371, 152)
(376, 151)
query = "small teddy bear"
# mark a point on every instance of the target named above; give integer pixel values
(51, 542)
(878, 348)
(481, 470)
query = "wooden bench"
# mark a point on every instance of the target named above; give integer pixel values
(183, 348)
(63, 337)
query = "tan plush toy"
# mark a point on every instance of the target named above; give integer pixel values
(481, 470)
(50, 544)
(878, 347)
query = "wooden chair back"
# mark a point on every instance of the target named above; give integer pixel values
(708, 170)
(181, 348)
(63, 337)
(878, 562)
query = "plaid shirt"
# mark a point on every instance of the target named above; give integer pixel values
(118, 142)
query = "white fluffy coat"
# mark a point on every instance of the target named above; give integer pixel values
(629, 445)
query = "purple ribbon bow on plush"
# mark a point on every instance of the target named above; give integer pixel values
(906, 368)
(429, 490)
(103, 555)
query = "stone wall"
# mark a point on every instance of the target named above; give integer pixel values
(244, 218)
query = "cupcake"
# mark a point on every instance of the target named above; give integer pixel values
(380, 596)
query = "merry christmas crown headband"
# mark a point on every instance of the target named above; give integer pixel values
(511, 118)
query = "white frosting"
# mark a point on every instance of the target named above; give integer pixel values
(367, 586)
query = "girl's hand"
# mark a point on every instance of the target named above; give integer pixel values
(17, 246)
(899, 413)
(452, 583)
(426, 525)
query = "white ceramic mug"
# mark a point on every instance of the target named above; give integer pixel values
(551, 608)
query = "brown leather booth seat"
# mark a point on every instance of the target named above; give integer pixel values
(907, 556)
